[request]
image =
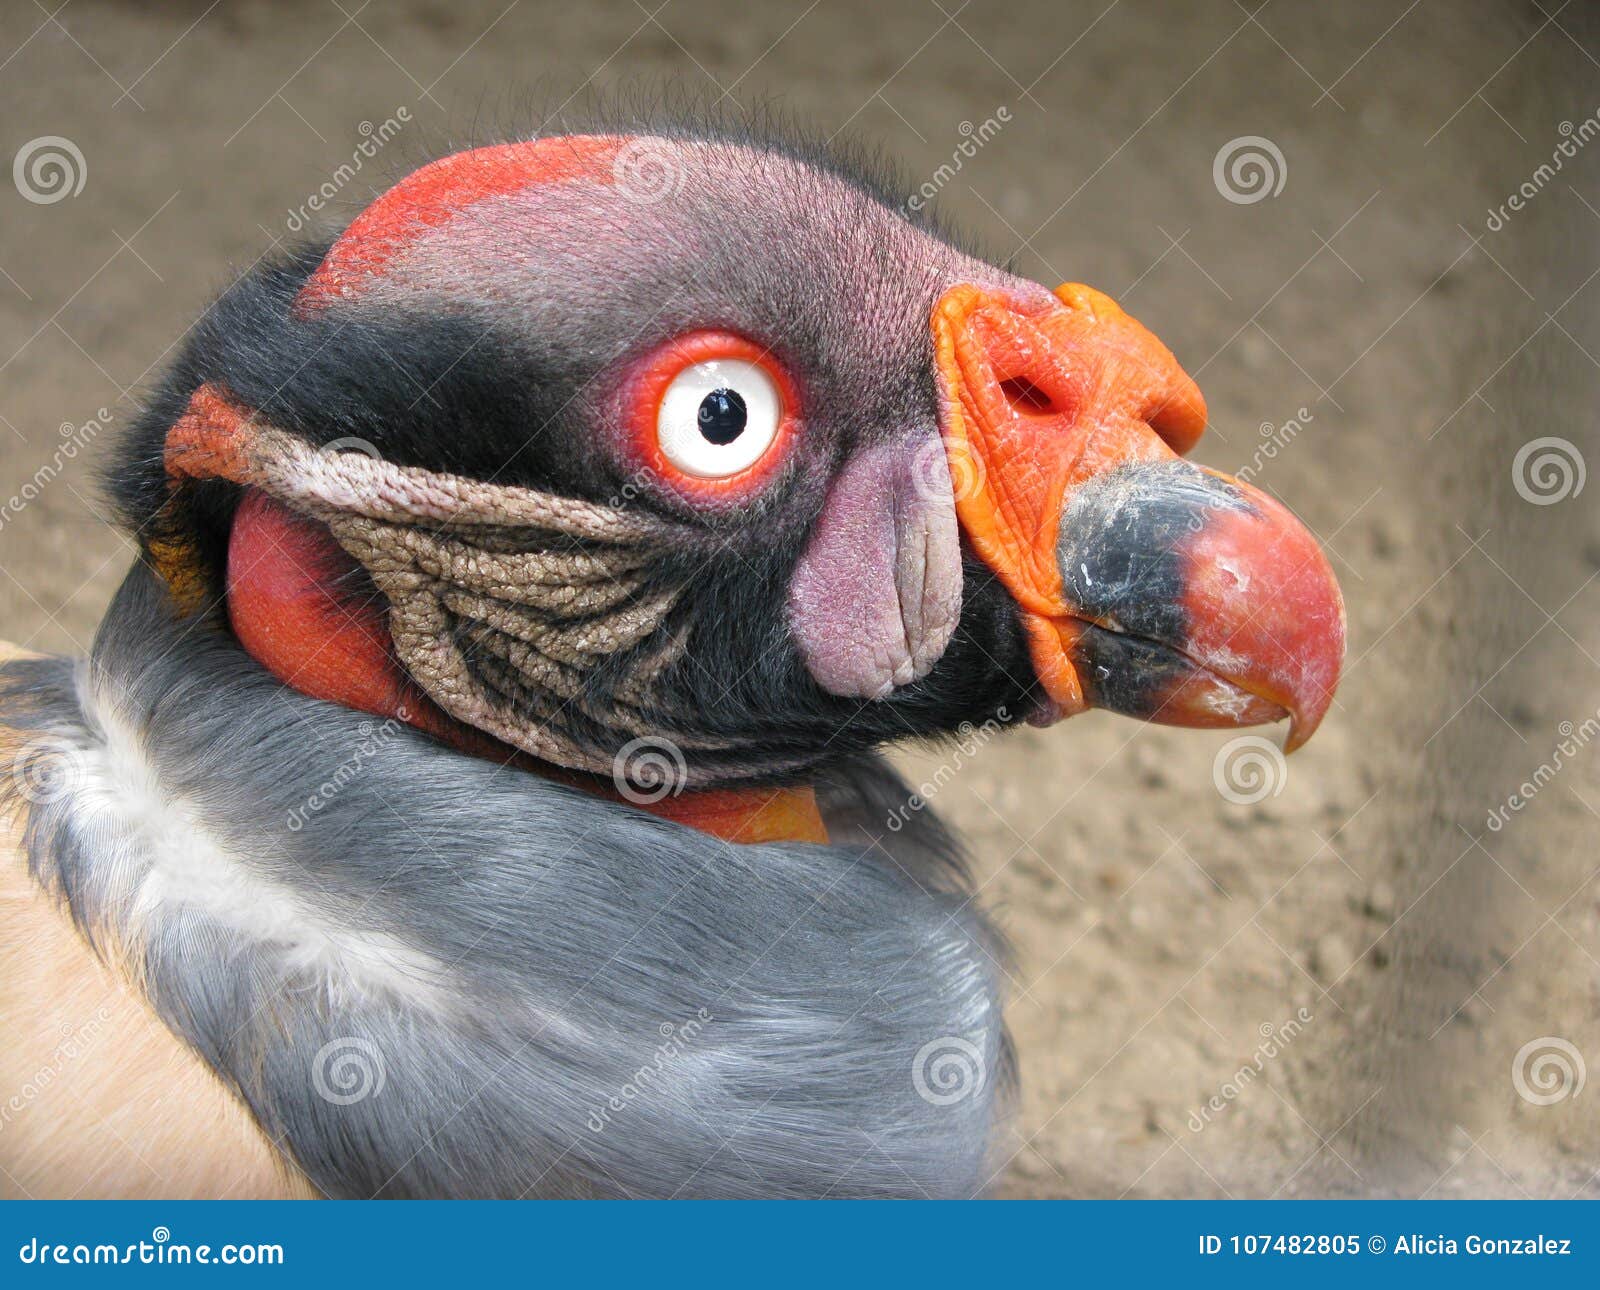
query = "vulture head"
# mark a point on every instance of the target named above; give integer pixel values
(570, 448)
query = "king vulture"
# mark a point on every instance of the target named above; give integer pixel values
(473, 789)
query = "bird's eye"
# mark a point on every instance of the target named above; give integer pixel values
(710, 415)
(718, 418)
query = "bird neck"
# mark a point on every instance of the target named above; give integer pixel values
(292, 607)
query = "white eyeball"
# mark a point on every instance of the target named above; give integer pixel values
(718, 418)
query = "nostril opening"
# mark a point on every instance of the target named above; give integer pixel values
(1025, 397)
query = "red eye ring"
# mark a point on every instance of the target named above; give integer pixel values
(647, 385)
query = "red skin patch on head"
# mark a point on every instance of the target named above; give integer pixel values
(282, 572)
(441, 190)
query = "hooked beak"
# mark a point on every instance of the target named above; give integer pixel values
(1147, 585)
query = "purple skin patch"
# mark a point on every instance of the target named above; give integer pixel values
(877, 592)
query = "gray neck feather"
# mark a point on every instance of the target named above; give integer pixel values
(427, 975)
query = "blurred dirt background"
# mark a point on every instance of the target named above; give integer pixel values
(1375, 295)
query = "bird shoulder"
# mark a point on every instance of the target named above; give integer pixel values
(99, 1097)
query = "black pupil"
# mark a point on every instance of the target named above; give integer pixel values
(722, 416)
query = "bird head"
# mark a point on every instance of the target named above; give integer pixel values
(572, 443)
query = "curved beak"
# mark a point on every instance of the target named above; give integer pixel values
(1147, 585)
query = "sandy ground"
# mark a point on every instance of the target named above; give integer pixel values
(1399, 951)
